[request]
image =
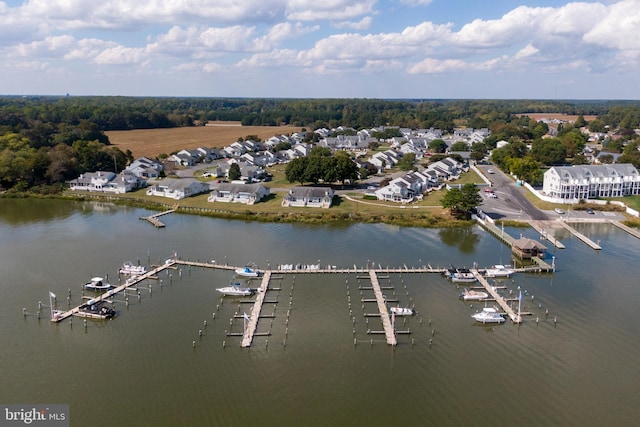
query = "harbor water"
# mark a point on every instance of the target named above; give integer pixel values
(167, 359)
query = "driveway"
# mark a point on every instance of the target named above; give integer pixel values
(511, 202)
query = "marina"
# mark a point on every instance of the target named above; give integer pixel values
(313, 354)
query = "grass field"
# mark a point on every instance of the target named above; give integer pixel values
(153, 142)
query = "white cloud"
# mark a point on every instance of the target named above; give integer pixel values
(437, 66)
(362, 24)
(527, 51)
(314, 10)
(120, 55)
(416, 2)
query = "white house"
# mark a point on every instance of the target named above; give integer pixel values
(107, 182)
(319, 197)
(570, 184)
(238, 193)
(145, 168)
(177, 188)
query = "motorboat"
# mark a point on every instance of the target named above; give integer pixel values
(488, 315)
(402, 311)
(236, 289)
(247, 271)
(97, 284)
(131, 269)
(471, 295)
(463, 276)
(499, 270)
(97, 310)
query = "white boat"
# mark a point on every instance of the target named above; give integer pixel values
(236, 289)
(131, 269)
(97, 284)
(402, 311)
(488, 315)
(471, 295)
(499, 270)
(463, 277)
(247, 271)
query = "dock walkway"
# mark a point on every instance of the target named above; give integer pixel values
(629, 230)
(255, 311)
(153, 219)
(382, 307)
(76, 311)
(581, 236)
(542, 227)
(515, 318)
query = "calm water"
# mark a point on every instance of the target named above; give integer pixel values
(140, 369)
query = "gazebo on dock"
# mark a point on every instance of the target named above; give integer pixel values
(527, 248)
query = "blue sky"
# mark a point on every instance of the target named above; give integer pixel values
(328, 48)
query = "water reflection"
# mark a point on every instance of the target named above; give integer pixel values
(464, 239)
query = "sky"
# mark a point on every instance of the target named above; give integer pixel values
(417, 49)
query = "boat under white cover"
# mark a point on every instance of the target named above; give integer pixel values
(402, 311)
(488, 315)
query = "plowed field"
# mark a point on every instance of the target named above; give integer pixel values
(152, 142)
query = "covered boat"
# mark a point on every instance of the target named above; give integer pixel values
(463, 276)
(499, 270)
(488, 315)
(236, 289)
(247, 271)
(471, 295)
(97, 284)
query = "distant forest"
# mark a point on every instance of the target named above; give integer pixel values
(47, 140)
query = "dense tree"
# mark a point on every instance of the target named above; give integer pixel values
(438, 146)
(295, 170)
(459, 146)
(526, 169)
(406, 162)
(346, 169)
(234, 172)
(461, 201)
(549, 151)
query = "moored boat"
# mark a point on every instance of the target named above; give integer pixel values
(96, 310)
(499, 270)
(488, 315)
(402, 311)
(236, 289)
(131, 269)
(471, 295)
(463, 276)
(247, 271)
(97, 284)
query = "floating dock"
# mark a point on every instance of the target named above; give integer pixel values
(382, 308)
(153, 219)
(252, 323)
(542, 227)
(585, 239)
(502, 302)
(629, 230)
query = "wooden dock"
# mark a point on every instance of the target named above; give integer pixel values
(77, 311)
(581, 236)
(252, 323)
(153, 219)
(382, 308)
(542, 227)
(629, 230)
(502, 302)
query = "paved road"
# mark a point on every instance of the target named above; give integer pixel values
(511, 202)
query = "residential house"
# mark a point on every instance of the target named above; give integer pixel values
(177, 188)
(320, 197)
(570, 184)
(145, 168)
(107, 182)
(238, 193)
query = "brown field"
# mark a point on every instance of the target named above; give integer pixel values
(559, 116)
(152, 142)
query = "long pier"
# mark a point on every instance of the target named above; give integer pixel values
(252, 323)
(77, 311)
(502, 302)
(628, 229)
(585, 239)
(382, 308)
(539, 226)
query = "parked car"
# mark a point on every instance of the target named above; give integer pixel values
(559, 211)
(490, 171)
(488, 190)
(590, 211)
